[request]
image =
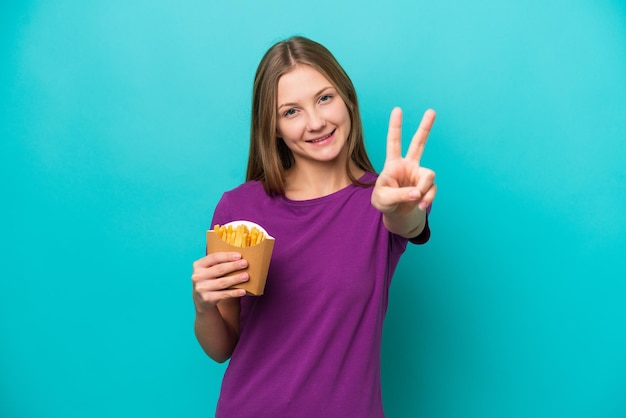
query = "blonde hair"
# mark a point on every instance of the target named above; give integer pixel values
(269, 157)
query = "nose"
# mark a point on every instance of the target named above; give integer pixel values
(315, 121)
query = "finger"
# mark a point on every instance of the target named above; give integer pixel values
(215, 258)
(221, 283)
(394, 196)
(212, 298)
(224, 269)
(428, 198)
(394, 135)
(416, 148)
(234, 293)
(217, 270)
(425, 180)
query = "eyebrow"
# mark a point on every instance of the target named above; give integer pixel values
(315, 95)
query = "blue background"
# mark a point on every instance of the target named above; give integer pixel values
(121, 123)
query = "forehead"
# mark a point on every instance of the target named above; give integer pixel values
(301, 82)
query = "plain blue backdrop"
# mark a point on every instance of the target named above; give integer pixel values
(122, 122)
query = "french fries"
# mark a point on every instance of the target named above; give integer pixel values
(240, 235)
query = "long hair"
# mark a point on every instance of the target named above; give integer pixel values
(269, 157)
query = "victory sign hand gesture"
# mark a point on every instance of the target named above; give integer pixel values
(404, 185)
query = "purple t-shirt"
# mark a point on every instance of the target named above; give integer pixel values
(310, 345)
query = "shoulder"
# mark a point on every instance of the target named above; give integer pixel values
(364, 185)
(369, 177)
(246, 190)
(234, 201)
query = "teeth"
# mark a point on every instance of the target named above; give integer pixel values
(320, 139)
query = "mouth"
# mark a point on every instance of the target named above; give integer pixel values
(320, 139)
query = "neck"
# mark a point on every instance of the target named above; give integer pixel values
(309, 181)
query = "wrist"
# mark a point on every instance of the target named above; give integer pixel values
(408, 225)
(205, 309)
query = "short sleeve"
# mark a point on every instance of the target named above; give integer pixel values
(221, 214)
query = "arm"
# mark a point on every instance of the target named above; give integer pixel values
(217, 307)
(408, 226)
(404, 190)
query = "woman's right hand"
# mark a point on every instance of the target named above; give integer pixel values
(209, 284)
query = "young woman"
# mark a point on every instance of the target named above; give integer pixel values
(311, 345)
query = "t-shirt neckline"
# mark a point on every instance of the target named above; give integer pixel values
(334, 195)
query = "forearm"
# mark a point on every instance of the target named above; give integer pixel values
(215, 336)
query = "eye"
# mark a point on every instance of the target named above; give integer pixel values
(289, 112)
(326, 97)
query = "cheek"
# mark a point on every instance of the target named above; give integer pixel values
(288, 130)
(279, 130)
(341, 114)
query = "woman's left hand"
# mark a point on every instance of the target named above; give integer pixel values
(403, 183)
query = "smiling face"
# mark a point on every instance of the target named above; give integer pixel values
(312, 118)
